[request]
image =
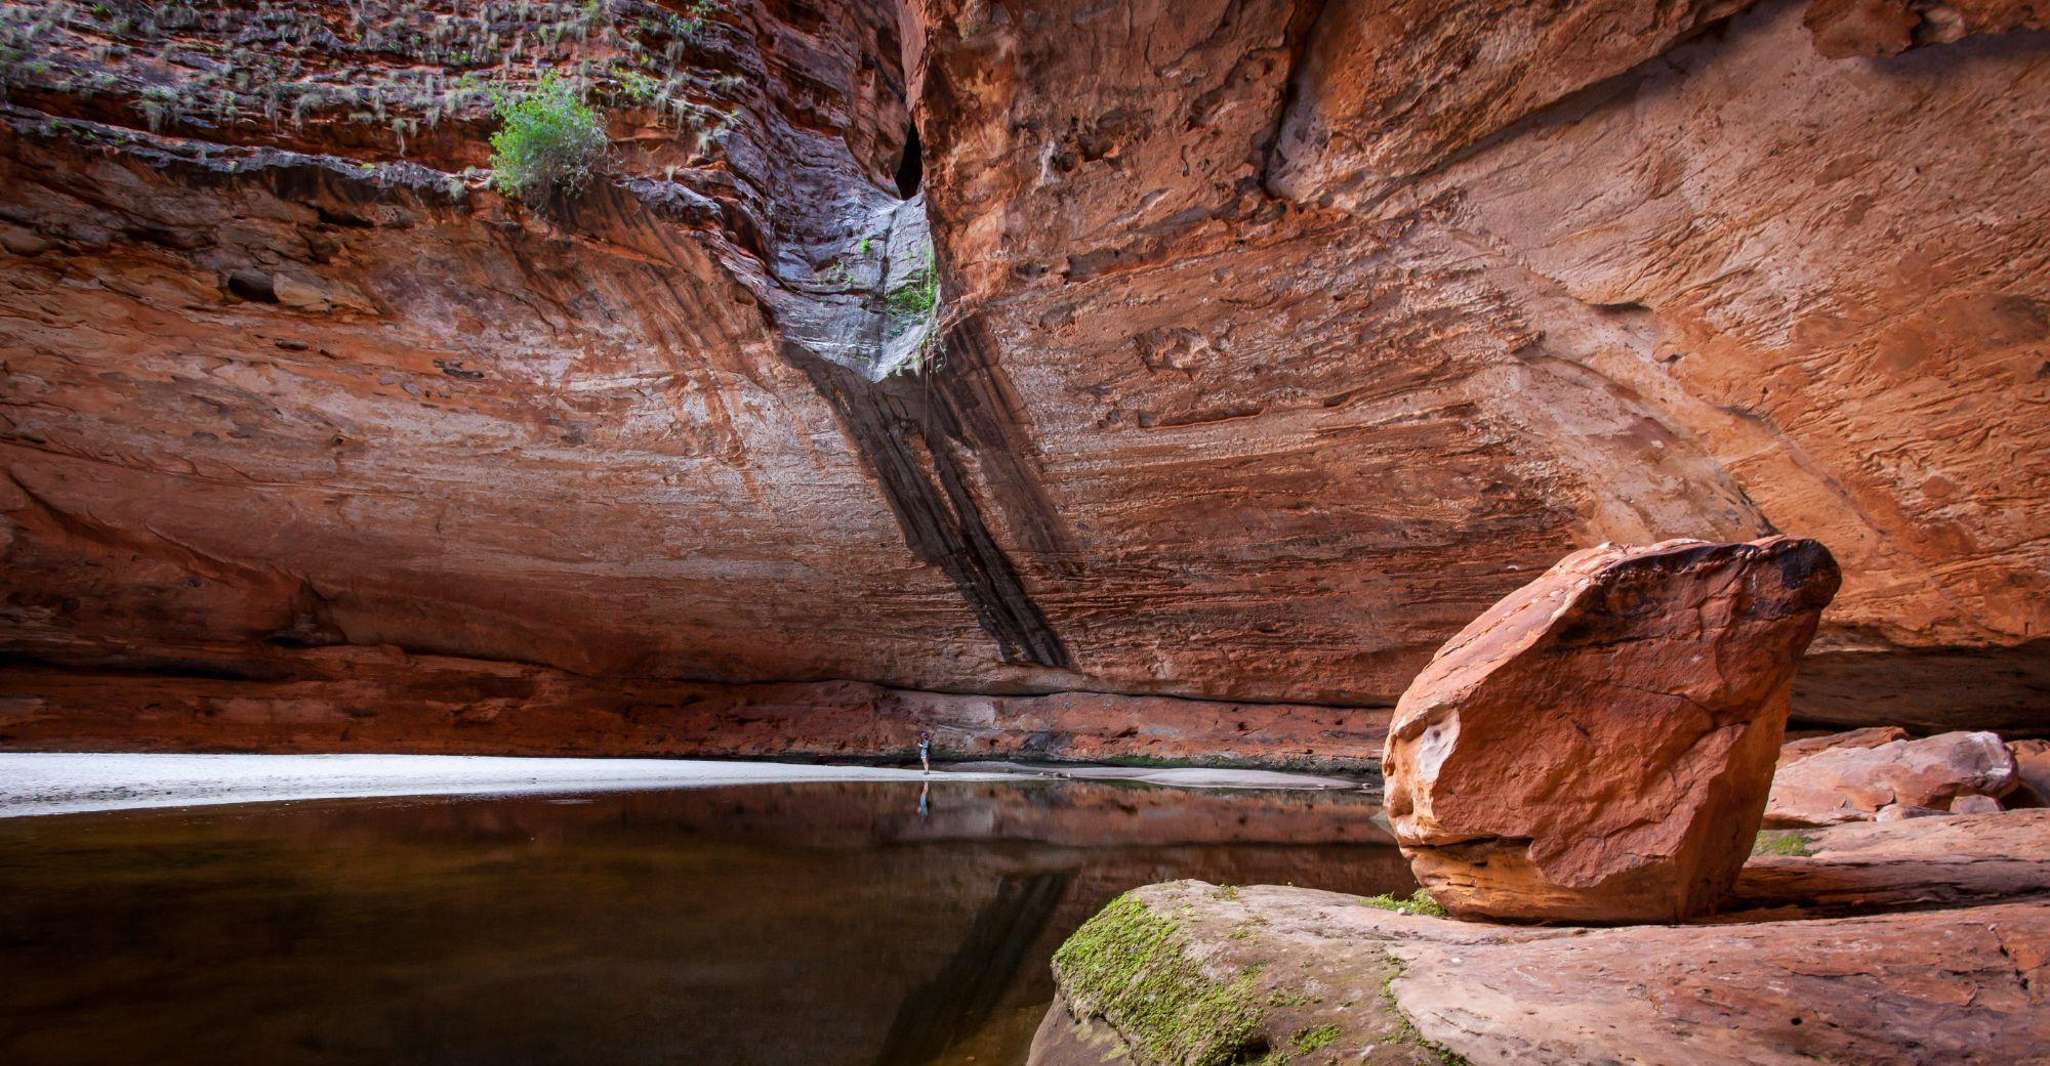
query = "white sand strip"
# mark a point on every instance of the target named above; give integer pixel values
(53, 783)
(1175, 776)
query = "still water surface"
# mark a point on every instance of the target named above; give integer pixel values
(870, 924)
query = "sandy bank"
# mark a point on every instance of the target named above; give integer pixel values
(65, 783)
(45, 783)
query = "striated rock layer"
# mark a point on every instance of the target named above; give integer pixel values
(1275, 340)
(344, 700)
(1905, 865)
(1599, 745)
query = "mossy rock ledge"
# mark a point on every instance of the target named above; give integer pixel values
(1193, 974)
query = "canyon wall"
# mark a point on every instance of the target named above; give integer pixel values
(1274, 341)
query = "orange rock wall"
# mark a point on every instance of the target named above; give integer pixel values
(1281, 339)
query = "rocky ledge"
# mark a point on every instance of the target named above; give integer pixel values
(1189, 973)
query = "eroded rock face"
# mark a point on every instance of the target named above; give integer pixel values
(1598, 746)
(1854, 782)
(1258, 376)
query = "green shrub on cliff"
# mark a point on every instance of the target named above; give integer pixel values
(549, 143)
(918, 293)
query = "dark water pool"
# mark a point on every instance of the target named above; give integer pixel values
(787, 924)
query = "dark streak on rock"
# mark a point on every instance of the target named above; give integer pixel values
(1303, 27)
(916, 435)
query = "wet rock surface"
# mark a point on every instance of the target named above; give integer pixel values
(1598, 746)
(1253, 378)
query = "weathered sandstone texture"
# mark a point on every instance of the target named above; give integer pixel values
(1845, 28)
(1598, 745)
(1851, 783)
(1218, 975)
(1902, 865)
(1869, 737)
(1276, 339)
(2032, 772)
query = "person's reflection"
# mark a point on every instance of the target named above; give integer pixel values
(924, 799)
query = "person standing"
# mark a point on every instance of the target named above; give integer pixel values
(925, 749)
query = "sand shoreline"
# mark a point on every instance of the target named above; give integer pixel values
(65, 783)
(46, 783)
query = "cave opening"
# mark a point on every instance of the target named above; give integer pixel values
(910, 168)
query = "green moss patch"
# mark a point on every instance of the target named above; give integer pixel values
(1315, 1038)
(1419, 902)
(1129, 965)
(1781, 844)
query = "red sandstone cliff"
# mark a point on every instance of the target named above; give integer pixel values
(1280, 338)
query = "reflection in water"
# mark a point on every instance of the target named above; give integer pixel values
(811, 923)
(969, 989)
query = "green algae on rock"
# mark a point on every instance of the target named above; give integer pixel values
(1129, 964)
(1194, 974)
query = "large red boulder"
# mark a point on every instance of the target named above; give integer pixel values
(1598, 746)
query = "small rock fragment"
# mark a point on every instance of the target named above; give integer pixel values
(1899, 812)
(1974, 804)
